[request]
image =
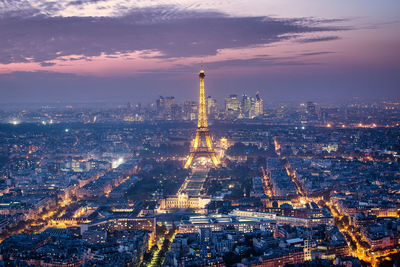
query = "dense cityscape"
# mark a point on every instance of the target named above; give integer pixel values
(186, 133)
(295, 183)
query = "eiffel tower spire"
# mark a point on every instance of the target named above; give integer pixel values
(202, 144)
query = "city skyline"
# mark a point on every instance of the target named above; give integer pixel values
(177, 133)
(90, 51)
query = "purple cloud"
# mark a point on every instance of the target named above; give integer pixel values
(319, 39)
(173, 32)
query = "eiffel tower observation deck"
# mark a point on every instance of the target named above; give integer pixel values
(202, 145)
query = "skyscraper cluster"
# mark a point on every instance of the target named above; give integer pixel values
(247, 107)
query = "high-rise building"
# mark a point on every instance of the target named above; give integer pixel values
(311, 111)
(176, 112)
(212, 108)
(302, 110)
(232, 106)
(169, 102)
(310, 107)
(190, 110)
(247, 106)
(258, 105)
(281, 111)
(251, 107)
(160, 105)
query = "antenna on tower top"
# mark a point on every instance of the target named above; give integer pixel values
(202, 69)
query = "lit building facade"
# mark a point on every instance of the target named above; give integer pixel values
(220, 222)
(232, 105)
(212, 108)
(190, 110)
(184, 201)
(258, 105)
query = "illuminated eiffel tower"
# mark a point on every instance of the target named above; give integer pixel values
(202, 145)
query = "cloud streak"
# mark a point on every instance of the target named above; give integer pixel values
(172, 32)
(317, 53)
(319, 39)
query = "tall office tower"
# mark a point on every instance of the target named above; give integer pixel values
(176, 112)
(302, 111)
(190, 110)
(169, 102)
(281, 112)
(160, 105)
(247, 106)
(202, 144)
(232, 106)
(212, 108)
(311, 111)
(258, 105)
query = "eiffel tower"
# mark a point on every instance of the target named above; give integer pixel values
(202, 145)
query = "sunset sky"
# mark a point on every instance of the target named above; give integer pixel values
(119, 50)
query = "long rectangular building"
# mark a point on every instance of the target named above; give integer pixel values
(220, 222)
(292, 220)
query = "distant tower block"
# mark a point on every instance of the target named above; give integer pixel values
(202, 145)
